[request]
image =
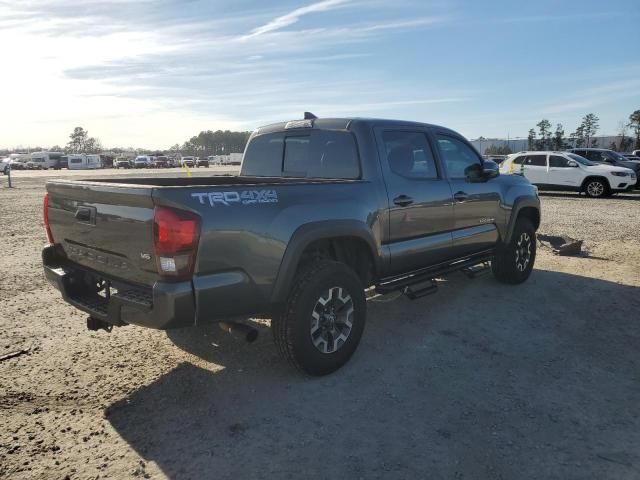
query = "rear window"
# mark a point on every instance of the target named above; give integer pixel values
(316, 154)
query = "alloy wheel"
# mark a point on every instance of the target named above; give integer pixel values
(523, 252)
(595, 189)
(332, 320)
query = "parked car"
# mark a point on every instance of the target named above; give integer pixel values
(19, 160)
(568, 171)
(321, 210)
(603, 155)
(202, 162)
(5, 165)
(160, 162)
(141, 161)
(188, 161)
(121, 162)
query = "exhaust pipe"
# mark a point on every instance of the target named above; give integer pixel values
(240, 331)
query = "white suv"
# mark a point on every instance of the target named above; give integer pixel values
(568, 171)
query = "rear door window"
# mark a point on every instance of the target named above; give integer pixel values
(536, 160)
(409, 154)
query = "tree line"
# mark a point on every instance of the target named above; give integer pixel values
(583, 136)
(213, 143)
(204, 144)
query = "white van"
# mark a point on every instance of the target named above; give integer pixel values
(45, 160)
(235, 158)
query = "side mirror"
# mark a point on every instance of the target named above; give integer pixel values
(481, 173)
(572, 163)
(490, 169)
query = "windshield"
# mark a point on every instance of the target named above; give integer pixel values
(580, 159)
(617, 156)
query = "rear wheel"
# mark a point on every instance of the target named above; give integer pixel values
(596, 188)
(513, 262)
(322, 322)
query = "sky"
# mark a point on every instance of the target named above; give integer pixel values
(153, 73)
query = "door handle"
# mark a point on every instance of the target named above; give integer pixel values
(403, 200)
(460, 196)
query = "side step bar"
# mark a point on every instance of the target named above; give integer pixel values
(413, 292)
(476, 271)
(472, 266)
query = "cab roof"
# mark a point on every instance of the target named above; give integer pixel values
(346, 123)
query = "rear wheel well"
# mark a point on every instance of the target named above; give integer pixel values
(352, 251)
(532, 214)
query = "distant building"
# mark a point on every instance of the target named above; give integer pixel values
(520, 144)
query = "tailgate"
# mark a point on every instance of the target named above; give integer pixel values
(107, 228)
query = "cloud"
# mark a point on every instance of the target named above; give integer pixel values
(295, 15)
(557, 18)
(180, 64)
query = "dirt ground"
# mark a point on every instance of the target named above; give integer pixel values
(478, 381)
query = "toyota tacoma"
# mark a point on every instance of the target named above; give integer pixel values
(323, 213)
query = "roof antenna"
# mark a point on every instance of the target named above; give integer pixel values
(309, 116)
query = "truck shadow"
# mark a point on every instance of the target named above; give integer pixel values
(464, 384)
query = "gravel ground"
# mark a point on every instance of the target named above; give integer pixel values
(478, 381)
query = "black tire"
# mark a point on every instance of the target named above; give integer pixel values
(293, 327)
(597, 188)
(513, 262)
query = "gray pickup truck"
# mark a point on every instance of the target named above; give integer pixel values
(323, 209)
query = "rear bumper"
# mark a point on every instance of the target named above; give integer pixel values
(163, 306)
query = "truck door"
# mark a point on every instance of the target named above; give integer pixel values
(420, 201)
(476, 206)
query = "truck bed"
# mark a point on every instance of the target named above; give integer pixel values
(106, 227)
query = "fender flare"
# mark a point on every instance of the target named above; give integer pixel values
(311, 232)
(518, 204)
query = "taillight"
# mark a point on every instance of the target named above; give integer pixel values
(175, 241)
(45, 214)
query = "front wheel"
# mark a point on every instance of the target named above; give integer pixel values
(513, 262)
(596, 188)
(322, 321)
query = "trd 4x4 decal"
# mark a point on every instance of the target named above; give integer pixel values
(244, 197)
